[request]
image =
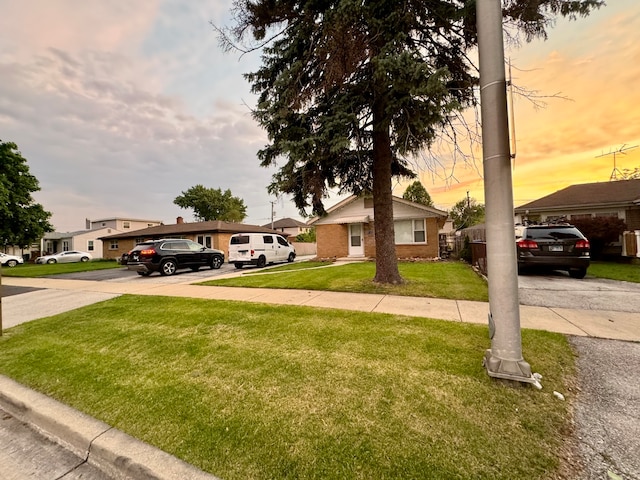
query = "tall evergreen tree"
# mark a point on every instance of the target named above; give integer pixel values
(349, 88)
(22, 220)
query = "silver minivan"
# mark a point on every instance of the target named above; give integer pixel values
(259, 249)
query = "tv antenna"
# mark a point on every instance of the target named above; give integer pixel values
(615, 172)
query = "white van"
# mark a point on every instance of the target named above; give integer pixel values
(259, 249)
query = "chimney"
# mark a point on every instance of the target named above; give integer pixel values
(179, 220)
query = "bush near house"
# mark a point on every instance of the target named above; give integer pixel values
(601, 231)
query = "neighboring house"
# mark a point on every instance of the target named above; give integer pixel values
(347, 229)
(88, 240)
(212, 234)
(289, 226)
(619, 199)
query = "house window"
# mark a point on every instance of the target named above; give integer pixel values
(138, 240)
(126, 224)
(113, 245)
(204, 240)
(90, 245)
(65, 246)
(410, 231)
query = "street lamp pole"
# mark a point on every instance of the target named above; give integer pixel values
(504, 359)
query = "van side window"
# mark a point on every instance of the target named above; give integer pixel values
(268, 239)
(282, 241)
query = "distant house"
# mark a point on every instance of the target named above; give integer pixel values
(347, 229)
(212, 234)
(88, 240)
(618, 199)
(289, 226)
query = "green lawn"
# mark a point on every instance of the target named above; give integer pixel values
(33, 270)
(453, 280)
(627, 272)
(248, 390)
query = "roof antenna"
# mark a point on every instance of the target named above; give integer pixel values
(615, 173)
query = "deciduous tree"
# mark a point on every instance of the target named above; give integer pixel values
(418, 194)
(22, 220)
(212, 204)
(466, 213)
(348, 89)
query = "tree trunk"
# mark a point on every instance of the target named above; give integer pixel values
(386, 259)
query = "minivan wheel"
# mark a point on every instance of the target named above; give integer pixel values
(291, 257)
(216, 262)
(577, 272)
(168, 267)
(262, 261)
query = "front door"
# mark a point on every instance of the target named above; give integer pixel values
(356, 245)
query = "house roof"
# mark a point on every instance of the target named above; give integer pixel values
(286, 223)
(600, 194)
(434, 212)
(213, 226)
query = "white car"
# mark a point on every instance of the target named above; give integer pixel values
(65, 257)
(10, 260)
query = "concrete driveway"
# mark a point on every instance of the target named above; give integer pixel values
(558, 290)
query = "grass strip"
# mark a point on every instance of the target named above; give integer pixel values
(258, 391)
(43, 270)
(452, 280)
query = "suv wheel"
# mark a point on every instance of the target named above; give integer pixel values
(168, 267)
(216, 262)
(577, 272)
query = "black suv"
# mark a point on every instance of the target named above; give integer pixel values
(170, 254)
(553, 247)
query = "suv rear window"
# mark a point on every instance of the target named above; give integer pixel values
(554, 233)
(239, 239)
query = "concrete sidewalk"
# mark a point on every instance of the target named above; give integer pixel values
(60, 295)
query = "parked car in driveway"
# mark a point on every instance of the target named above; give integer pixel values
(553, 247)
(10, 260)
(65, 257)
(259, 249)
(171, 254)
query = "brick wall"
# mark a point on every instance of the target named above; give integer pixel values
(332, 240)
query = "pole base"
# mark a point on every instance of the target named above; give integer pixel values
(519, 371)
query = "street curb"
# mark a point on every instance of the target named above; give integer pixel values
(115, 453)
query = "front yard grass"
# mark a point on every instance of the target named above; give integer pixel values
(627, 272)
(42, 270)
(452, 280)
(246, 390)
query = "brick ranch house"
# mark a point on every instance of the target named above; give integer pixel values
(212, 234)
(347, 229)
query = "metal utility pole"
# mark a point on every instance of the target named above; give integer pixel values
(504, 359)
(272, 213)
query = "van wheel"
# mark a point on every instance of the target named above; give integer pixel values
(291, 257)
(262, 261)
(237, 265)
(168, 267)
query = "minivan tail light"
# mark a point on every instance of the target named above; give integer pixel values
(583, 245)
(528, 244)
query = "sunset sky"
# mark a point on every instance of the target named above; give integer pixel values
(118, 109)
